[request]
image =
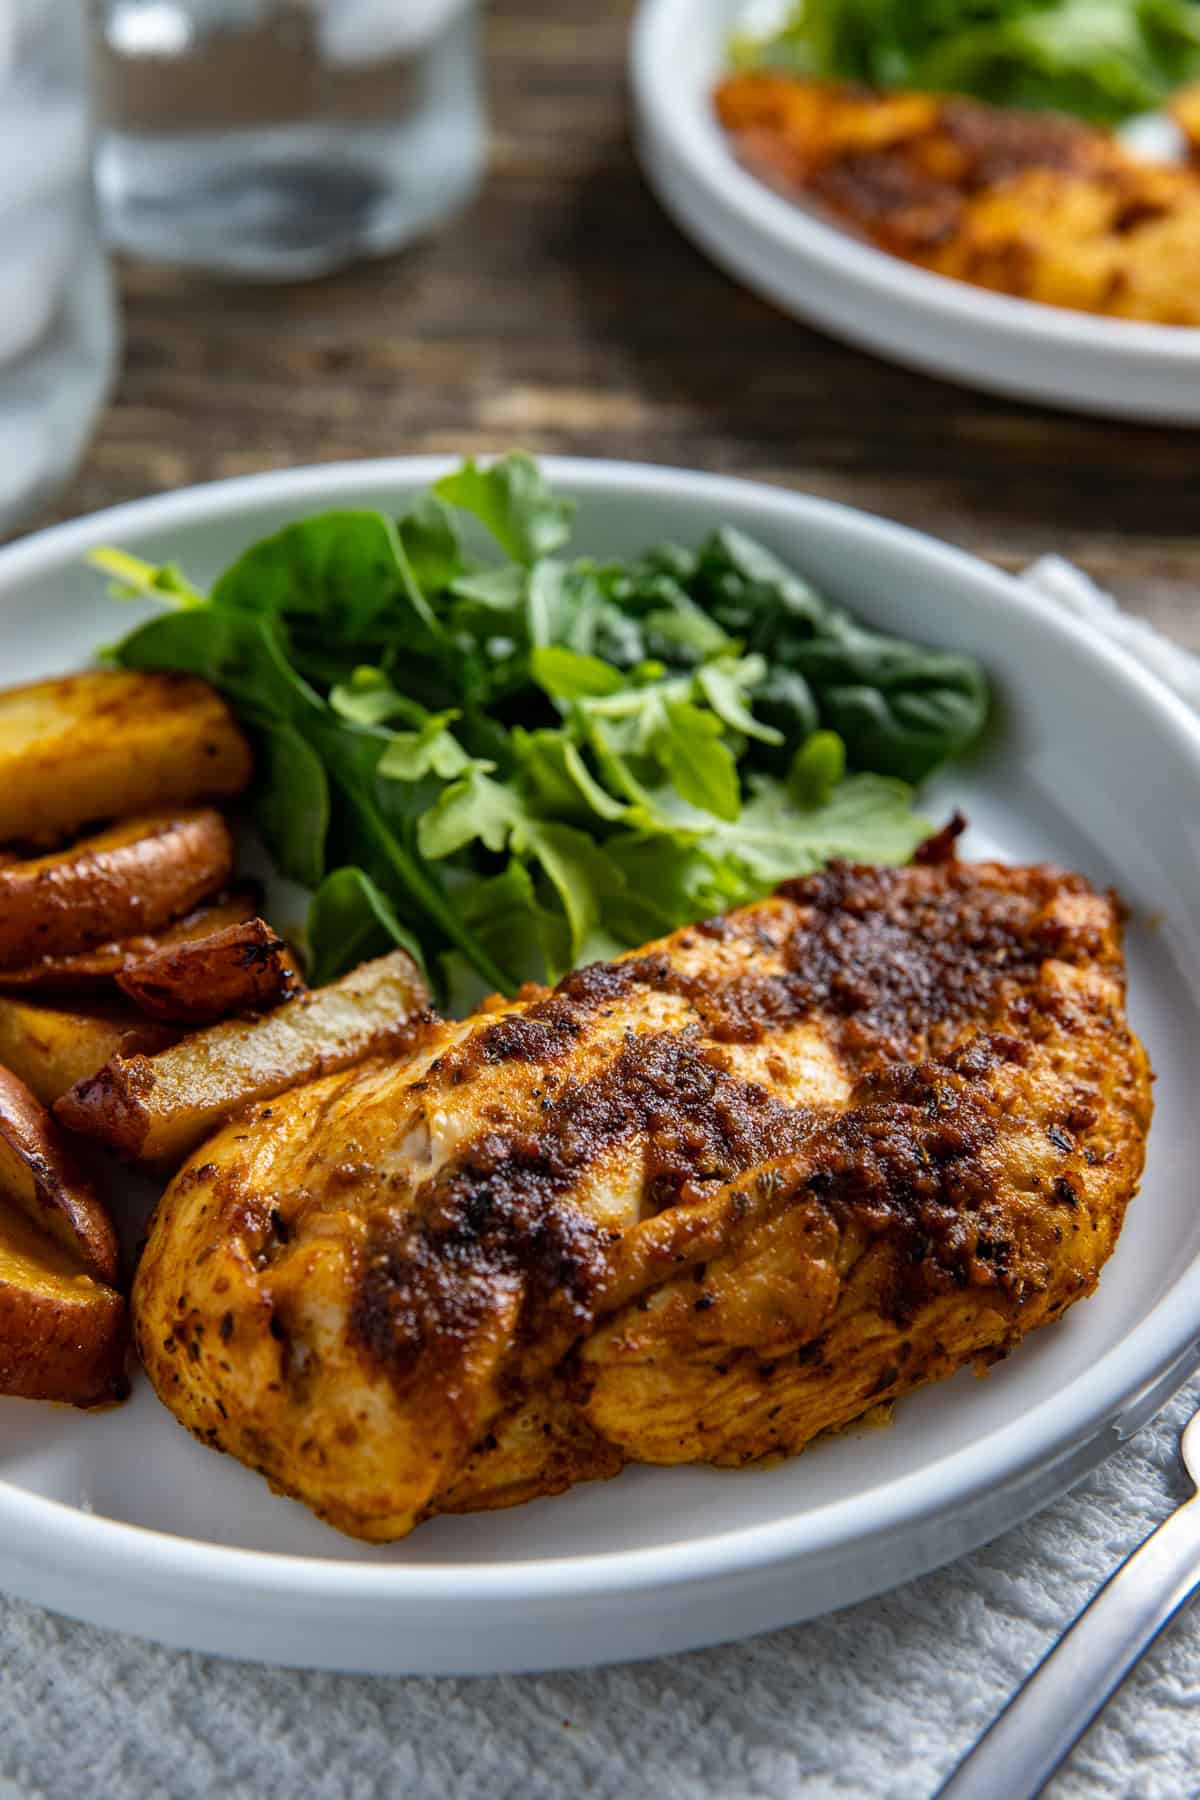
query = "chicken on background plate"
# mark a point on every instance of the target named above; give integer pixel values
(1036, 205)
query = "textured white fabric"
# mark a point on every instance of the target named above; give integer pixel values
(876, 1703)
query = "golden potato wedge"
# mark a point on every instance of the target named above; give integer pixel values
(243, 969)
(39, 1174)
(50, 1048)
(103, 745)
(63, 1335)
(97, 968)
(135, 876)
(157, 1109)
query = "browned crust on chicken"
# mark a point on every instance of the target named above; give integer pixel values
(1030, 204)
(700, 1204)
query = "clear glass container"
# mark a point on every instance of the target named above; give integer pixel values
(278, 139)
(57, 320)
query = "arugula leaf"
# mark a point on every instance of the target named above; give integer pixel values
(479, 808)
(725, 686)
(566, 675)
(369, 698)
(473, 807)
(350, 921)
(868, 818)
(433, 750)
(701, 766)
(512, 499)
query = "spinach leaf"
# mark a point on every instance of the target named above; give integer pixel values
(900, 708)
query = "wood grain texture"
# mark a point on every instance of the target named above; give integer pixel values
(565, 313)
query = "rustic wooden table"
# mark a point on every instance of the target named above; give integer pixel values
(565, 313)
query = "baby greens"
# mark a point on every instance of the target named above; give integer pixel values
(1101, 59)
(511, 763)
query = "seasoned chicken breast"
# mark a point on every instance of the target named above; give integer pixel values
(1031, 204)
(698, 1204)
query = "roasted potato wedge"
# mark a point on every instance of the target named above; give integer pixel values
(50, 1048)
(97, 968)
(135, 876)
(104, 745)
(63, 1335)
(39, 1174)
(244, 968)
(157, 1109)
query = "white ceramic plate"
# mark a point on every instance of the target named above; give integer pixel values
(122, 1519)
(821, 274)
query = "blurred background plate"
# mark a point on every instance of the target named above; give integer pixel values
(819, 273)
(123, 1519)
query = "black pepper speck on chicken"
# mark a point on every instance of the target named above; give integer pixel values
(698, 1205)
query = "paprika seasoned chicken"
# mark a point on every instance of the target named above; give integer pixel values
(1031, 204)
(700, 1204)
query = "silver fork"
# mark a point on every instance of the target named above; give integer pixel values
(1043, 1721)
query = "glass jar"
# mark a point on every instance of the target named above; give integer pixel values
(57, 320)
(280, 138)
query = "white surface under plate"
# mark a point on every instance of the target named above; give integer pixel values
(818, 272)
(123, 1519)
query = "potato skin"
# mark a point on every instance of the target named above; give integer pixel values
(135, 876)
(98, 967)
(242, 969)
(55, 1351)
(51, 1047)
(110, 743)
(38, 1173)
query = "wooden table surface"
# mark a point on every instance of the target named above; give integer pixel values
(565, 313)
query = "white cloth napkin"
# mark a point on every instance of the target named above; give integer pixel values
(876, 1703)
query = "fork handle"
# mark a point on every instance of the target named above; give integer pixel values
(1018, 1754)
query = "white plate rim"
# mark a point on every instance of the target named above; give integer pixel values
(680, 132)
(1166, 1340)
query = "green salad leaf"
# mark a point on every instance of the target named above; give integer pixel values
(349, 921)
(1101, 59)
(508, 759)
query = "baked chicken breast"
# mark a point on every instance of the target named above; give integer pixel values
(699, 1204)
